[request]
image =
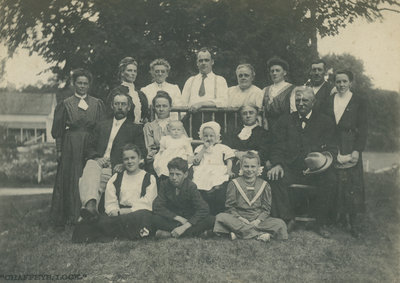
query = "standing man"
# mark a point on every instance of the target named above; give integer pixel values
(322, 88)
(104, 153)
(205, 89)
(296, 136)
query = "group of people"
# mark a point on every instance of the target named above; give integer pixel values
(297, 152)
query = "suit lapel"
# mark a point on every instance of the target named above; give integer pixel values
(108, 128)
(120, 131)
(321, 90)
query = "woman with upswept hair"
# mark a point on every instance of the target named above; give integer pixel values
(277, 97)
(127, 72)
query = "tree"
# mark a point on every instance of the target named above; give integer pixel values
(96, 34)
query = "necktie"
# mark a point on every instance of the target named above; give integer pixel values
(303, 121)
(202, 90)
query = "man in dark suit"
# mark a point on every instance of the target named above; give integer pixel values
(296, 135)
(104, 155)
(322, 89)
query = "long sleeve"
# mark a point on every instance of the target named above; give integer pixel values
(265, 145)
(362, 126)
(330, 138)
(111, 200)
(145, 106)
(265, 203)
(101, 111)
(146, 202)
(222, 92)
(188, 148)
(177, 98)
(59, 123)
(186, 91)
(148, 133)
(160, 203)
(90, 150)
(231, 198)
(279, 142)
(139, 141)
(200, 206)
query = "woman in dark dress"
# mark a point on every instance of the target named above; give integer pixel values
(74, 119)
(278, 98)
(350, 113)
(127, 72)
(250, 136)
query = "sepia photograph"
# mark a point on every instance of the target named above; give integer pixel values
(200, 141)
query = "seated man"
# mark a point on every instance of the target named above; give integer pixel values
(179, 209)
(248, 204)
(297, 134)
(128, 200)
(104, 154)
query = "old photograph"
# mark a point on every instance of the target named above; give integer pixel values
(199, 141)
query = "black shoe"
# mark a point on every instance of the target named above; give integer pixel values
(291, 226)
(208, 234)
(89, 214)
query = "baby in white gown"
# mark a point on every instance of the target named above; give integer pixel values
(175, 144)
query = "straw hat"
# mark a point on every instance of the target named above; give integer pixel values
(317, 162)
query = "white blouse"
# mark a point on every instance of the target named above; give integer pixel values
(173, 90)
(136, 101)
(340, 103)
(238, 97)
(131, 187)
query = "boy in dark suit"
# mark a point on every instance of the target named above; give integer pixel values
(179, 208)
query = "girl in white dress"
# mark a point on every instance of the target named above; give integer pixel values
(175, 144)
(210, 172)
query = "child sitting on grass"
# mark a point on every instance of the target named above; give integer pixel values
(131, 190)
(129, 199)
(248, 205)
(175, 144)
(210, 173)
(179, 210)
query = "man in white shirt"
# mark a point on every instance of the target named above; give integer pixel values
(104, 154)
(205, 89)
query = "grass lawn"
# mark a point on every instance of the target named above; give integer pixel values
(28, 245)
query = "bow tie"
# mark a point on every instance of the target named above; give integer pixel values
(303, 119)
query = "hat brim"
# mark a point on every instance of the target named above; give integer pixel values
(345, 165)
(329, 160)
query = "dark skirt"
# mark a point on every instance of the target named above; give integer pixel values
(132, 226)
(66, 203)
(351, 194)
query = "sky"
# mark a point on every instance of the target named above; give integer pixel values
(376, 43)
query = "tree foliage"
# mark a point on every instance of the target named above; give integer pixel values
(96, 34)
(362, 83)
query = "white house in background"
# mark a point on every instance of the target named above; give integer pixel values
(27, 117)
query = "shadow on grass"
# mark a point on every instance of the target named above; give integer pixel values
(28, 245)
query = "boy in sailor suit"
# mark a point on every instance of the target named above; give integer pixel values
(248, 205)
